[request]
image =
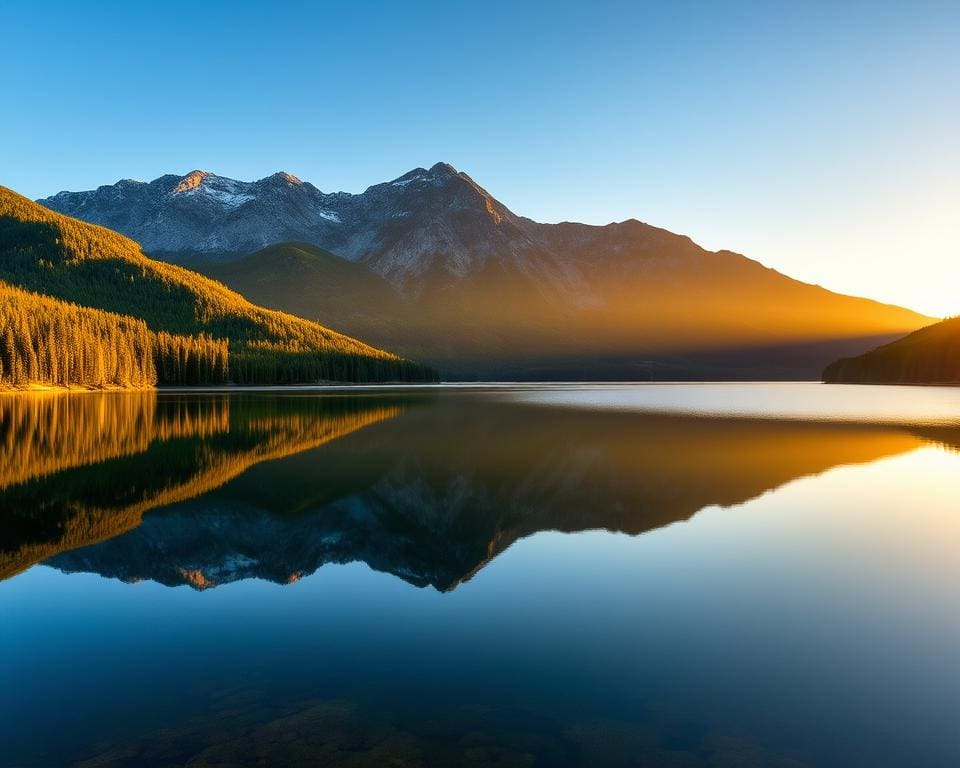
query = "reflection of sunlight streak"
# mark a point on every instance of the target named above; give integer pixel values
(727, 461)
(915, 406)
(935, 470)
(885, 523)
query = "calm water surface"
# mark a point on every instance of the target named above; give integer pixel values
(665, 575)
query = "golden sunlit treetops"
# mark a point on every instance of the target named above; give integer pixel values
(46, 341)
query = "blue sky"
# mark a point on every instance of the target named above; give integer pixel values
(822, 139)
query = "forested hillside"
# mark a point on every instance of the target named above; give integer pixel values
(928, 356)
(51, 342)
(64, 258)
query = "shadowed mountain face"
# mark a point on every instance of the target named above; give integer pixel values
(429, 490)
(433, 265)
(928, 356)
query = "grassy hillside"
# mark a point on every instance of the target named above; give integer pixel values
(928, 356)
(61, 257)
(310, 282)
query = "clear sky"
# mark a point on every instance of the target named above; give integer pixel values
(822, 139)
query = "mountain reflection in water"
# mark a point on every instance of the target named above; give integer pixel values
(427, 488)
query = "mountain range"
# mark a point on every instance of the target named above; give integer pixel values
(432, 266)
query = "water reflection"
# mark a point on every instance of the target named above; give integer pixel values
(85, 468)
(787, 623)
(275, 486)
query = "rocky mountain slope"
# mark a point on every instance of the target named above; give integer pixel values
(450, 275)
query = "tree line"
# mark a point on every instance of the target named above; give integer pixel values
(264, 366)
(51, 342)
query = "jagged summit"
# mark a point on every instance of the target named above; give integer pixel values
(443, 169)
(214, 216)
(193, 180)
(438, 173)
(283, 176)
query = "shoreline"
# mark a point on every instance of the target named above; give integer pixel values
(322, 387)
(37, 389)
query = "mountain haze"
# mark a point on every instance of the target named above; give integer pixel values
(435, 267)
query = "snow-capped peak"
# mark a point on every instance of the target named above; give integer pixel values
(228, 193)
(443, 169)
(288, 178)
(438, 173)
(191, 181)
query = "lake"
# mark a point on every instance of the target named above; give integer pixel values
(570, 575)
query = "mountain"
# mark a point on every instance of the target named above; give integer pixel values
(206, 214)
(480, 291)
(928, 356)
(63, 258)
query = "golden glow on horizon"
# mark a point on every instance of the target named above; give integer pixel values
(897, 244)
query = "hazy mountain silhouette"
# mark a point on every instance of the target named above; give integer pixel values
(928, 356)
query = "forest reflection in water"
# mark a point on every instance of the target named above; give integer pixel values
(77, 469)
(789, 624)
